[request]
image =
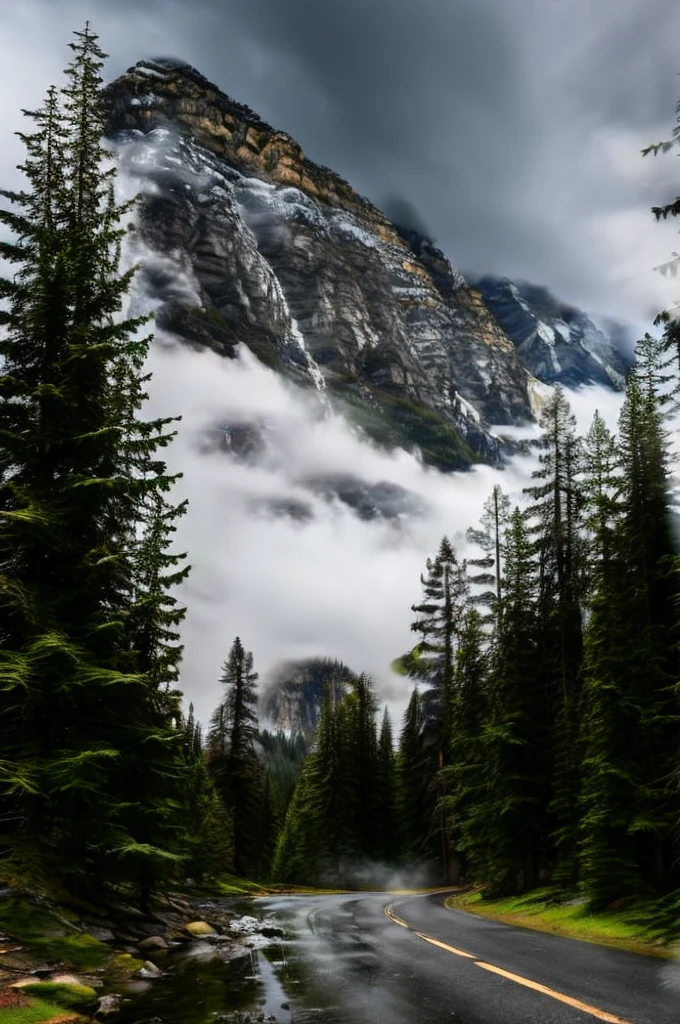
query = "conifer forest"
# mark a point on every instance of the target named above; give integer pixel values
(541, 741)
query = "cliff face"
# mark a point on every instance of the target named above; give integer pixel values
(282, 255)
(556, 341)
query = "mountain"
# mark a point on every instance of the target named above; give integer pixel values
(243, 240)
(556, 342)
(294, 692)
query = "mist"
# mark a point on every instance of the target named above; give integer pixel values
(327, 584)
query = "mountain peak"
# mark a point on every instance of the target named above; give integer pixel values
(261, 246)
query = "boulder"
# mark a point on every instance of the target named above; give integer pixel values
(149, 970)
(109, 1005)
(153, 942)
(199, 928)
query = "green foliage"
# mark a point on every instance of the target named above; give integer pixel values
(35, 1011)
(42, 931)
(70, 996)
(234, 764)
(91, 782)
(332, 831)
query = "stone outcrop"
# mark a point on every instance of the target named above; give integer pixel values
(243, 240)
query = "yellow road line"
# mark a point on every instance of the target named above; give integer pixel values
(389, 913)
(559, 996)
(442, 945)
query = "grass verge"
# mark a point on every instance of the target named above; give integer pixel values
(16, 1008)
(627, 927)
(44, 933)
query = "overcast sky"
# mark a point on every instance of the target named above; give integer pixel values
(511, 128)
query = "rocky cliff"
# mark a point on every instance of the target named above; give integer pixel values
(249, 242)
(554, 340)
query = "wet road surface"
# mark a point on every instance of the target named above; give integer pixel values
(347, 962)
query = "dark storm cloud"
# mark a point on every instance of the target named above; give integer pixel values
(511, 128)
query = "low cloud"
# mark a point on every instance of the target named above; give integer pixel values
(333, 584)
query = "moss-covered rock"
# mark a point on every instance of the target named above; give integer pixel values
(49, 935)
(71, 996)
(198, 928)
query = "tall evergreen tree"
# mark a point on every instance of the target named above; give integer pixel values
(234, 760)
(445, 591)
(416, 796)
(386, 793)
(488, 536)
(555, 517)
(631, 715)
(510, 821)
(467, 774)
(78, 465)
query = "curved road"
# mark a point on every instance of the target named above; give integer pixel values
(372, 958)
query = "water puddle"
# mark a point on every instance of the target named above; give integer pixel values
(219, 980)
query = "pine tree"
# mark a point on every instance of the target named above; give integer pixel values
(555, 516)
(386, 793)
(210, 844)
(488, 537)
(359, 745)
(509, 821)
(467, 774)
(630, 712)
(234, 761)
(78, 466)
(445, 591)
(416, 795)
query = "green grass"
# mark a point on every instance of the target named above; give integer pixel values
(46, 935)
(627, 927)
(230, 885)
(36, 1012)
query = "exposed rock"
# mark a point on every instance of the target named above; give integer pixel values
(109, 1005)
(198, 928)
(294, 691)
(103, 934)
(558, 343)
(149, 970)
(153, 942)
(243, 240)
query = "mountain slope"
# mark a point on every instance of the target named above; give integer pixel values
(245, 240)
(555, 341)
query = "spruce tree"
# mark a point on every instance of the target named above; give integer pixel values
(386, 793)
(488, 537)
(78, 467)
(509, 819)
(416, 795)
(630, 711)
(555, 518)
(234, 760)
(445, 591)
(467, 773)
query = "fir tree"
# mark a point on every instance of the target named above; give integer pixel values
(234, 761)
(445, 591)
(78, 466)
(555, 517)
(386, 793)
(467, 774)
(416, 797)
(631, 716)
(488, 537)
(510, 820)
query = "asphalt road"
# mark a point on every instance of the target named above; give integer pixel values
(348, 962)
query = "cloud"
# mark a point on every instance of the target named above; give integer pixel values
(333, 584)
(512, 130)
